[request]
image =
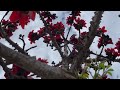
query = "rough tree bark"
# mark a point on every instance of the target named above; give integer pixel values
(30, 64)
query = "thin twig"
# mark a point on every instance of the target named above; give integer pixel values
(21, 37)
(102, 50)
(68, 31)
(31, 48)
(5, 15)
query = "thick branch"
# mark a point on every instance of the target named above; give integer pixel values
(29, 64)
(83, 54)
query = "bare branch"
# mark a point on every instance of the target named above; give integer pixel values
(15, 45)
(21, 37)
(30, 48)
(5, 15)
(37, 67)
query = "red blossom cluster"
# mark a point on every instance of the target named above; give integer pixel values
(73, 39)
(79, 23)
(111, 53)
(9, 27)
(101, 31)
(104, 40)
(56, 30)
(32, 37)
(76, 21)
(118, 46)
(16, 70)
(48, 16)
(22, 17)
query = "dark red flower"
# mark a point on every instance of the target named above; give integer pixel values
(70, 20)
(42, 60)
(111, 52)
(53, 16)
(104, 40)
(32, 15)
(32, 37)
(59, 26)
(48, 16)
(16, 70)
(117, 46)
(58, 38)
(47, 39)
(80, 23)
(73, 40)
(9, 27)
(101, 31)
(22, 17)
(41, 31)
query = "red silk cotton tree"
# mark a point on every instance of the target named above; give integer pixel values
(71, 65)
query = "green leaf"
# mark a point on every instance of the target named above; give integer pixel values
(108, 66)
(95, 75)
(109, 73)
(110, 69)
(85, 75)
(101, 65)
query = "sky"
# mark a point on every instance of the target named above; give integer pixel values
(110, 20)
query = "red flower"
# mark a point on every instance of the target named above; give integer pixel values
(73, 40)
(22, 17)
(49, 20)
(47, 39)
(59, 26)
(111, 52)
(33, 36)
(104, 40)
(41, 31)
(118, 46)
(9, 27)
(80, 23)
(32, 15)
(48, 16)
(4, 22)
(58, 38)
(43, 60)
(101, 31)
(16, 70)
(70, 20)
